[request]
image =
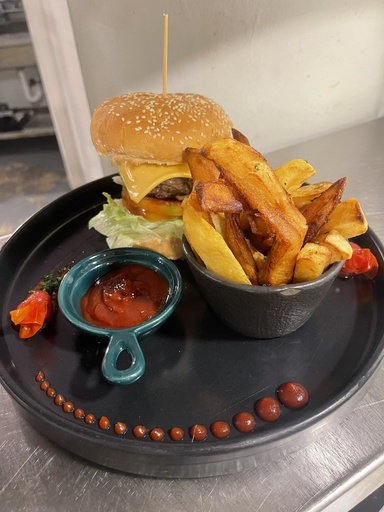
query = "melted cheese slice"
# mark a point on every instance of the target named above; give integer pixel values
(141, 179)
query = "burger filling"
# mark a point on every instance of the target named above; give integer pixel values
(155, 191)
(151, 208)
(174, 188)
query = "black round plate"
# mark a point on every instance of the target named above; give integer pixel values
(198, 371)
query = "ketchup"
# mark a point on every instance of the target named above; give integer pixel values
(124, 297)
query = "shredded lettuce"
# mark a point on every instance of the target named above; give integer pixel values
(123, 229)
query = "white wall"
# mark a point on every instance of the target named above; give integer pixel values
(285, 70)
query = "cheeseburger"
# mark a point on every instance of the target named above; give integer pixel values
(145, 135)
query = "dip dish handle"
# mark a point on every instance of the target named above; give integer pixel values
(123, 341)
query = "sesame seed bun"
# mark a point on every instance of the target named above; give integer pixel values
(146, 134)
(156, 128)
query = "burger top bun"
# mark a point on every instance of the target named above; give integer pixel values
(156, 128)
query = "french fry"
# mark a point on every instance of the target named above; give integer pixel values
(259, 258)
(347, 218)
(337, 244)
(194, 203)
(304, 195)
(279, 266)
(254, 225)
(311, 262)
(239, 246)
(218, 222)
(318, 212)
(293, 174)
(217, 196)
(261, 237)
(201, 168)
(249, 172)
(216, 255)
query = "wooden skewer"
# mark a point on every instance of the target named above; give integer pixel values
(165, 54)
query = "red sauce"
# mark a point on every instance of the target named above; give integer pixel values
(90, 418)
(79, 414)
(59, 399)
(290, 394)
(293, 395)
(157, 434)
(104, 423)
(176, 434)
(198, 432)
(124, 297)
(51, 392)
(268, 409)
(40, 376)
(45, 385)
(220, 429)
(68, 406)
(120, 428)
(139, 431)
(244, 421)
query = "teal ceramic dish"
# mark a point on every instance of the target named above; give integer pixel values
(85, 273)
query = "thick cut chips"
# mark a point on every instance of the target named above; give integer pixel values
(294, 173)
(311, 262)
(318, 212)
(304, 195)
(216, 196)
(337, 244)
(251, 224)
(240, 247)
(347, 218)
(202, 169)
(216, 255)
(248, 171)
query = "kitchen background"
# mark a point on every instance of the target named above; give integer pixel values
(285, 71)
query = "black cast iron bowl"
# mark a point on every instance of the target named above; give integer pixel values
(261, 311)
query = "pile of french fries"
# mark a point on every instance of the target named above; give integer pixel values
(256, 225)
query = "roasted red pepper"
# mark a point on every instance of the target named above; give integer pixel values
(362, 261)
(39, 307)
(33, 313)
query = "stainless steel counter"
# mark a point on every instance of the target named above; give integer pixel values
(333, 473)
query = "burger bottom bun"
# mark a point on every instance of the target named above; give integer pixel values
(170, 247)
